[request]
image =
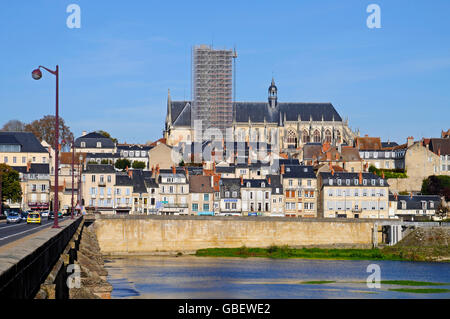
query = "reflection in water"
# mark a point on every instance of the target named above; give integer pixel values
(230, 278)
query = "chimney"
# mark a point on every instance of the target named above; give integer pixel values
(187, 172)
(28, 166)
(282, 169)
(410, 195)
(214, 167)
(174, 170)
(360, 178)
(332, 171)
(84, 133)
(153, 170)
(212, 181)
(410, 141)
(382, 174)
(130, 173)
(242, 181)
(268, 180)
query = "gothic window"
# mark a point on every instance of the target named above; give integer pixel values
(305, 136)
(316, 136)
(328, 136)
(338, 136)
(291, 137)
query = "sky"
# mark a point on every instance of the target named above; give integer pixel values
(115, 70)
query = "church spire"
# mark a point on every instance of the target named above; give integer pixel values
(273, 91)
(169, 110)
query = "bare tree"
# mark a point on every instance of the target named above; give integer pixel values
(13, 126)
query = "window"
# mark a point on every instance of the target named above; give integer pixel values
(364, 182)
(328, 136)
(205, 207)
(233, 205)
(339, 182)
(6, 159)
(109, 178)
(99, 144)
(330, 181)
(309, 182)
(83, 144)
(23, 160)
(195, 207)
(316, 136)
(14, 159)
(93, 178)
(373, 182)
(305, 137)
(206, 197)
(248, 184)
(347, 182)
(234, 194)
(227, 194)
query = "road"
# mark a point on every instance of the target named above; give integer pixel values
(13, 232)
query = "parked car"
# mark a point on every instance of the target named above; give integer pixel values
(44, 213)
(13, 217)
(24, 215)
(51, 215)
(34, 218)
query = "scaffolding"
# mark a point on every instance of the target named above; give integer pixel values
(212, 87)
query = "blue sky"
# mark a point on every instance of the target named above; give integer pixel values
(115, 70)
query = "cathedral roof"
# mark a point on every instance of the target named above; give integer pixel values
(258, 111)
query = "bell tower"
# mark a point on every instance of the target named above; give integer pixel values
(273, 94)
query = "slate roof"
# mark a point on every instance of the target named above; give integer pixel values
(258, 111)
(416, 201)
(133, 147)
(388, 144)
(102, 155)
(225, 169)
(34, 169)
(122, 179)
(343, 176)
(27, 140)
(138, 181)
(150, 182)
(91, 140)
(99, 168)
(298, 171)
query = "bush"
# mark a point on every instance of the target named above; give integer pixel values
(138, 165)
(122, 163)
(388, 173)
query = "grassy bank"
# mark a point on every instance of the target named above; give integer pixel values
(387, 253)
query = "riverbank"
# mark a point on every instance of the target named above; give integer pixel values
(441, 254)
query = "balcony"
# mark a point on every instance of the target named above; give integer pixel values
(101, 183)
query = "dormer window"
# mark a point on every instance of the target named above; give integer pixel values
(330, 181)
(347, 182)
(263, 184)
(373, 182)
(99, 144)
(364, 181)
(83, 144)
(288, 169)
(339, 182)
(356, 181)
(381, 182)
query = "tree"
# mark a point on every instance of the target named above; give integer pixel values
(10, 184)
(437, 185)
(105, 161)
(138, 165)
(13, 126)
(106, 134)
(44, 130)
(122, 163)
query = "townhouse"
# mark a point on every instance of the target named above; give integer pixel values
(352, 195)
(201, 197)
(413, 207)
(300, 190)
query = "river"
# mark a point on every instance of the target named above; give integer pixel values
(188, 277)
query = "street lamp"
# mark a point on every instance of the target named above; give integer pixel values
(80, 167)
(37, 74)
(73, 160)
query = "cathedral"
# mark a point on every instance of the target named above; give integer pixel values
(293, 124)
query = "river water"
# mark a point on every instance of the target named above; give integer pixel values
(190, 277)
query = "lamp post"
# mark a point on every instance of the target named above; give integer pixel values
(73, 160)
(80, 167)
(37, 74)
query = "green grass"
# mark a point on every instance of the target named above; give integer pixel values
(411, 283)
(317, 282)
(307, 253)
(422, 290)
